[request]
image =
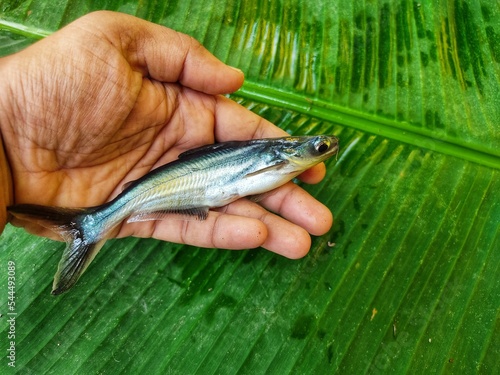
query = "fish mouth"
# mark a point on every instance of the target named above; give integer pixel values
(335, 145)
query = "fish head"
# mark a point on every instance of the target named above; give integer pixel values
(304, 152)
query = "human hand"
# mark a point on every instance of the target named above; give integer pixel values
(109, 98)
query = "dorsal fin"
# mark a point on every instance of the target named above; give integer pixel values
(217, 146)
(202, 150)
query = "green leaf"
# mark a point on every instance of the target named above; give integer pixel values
(407, 280)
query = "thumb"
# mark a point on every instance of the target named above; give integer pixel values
(164, 54)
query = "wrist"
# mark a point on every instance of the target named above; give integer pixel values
(6, 186)
(6, 191)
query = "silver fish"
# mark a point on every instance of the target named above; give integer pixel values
(208, 176)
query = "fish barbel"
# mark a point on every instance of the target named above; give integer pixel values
(209, 176)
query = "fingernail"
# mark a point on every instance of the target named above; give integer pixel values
(238, 70)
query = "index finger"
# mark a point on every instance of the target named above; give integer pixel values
(235, 122)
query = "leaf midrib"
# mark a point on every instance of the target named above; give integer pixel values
(23, 30)
(391, 129)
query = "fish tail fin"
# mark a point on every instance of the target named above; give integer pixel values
(75, 259)
(81, 248)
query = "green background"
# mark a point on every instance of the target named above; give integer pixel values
(411, 284)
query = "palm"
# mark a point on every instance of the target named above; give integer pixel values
(108, 124)
(95, 118)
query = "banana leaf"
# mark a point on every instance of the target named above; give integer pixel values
(407, 280)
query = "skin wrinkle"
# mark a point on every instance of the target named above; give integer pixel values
(110, 145)
(258, 132)
(215, 233)
(184, 58)
(136, 51)
(280, 206)
(124, 146)
(101, 97)
(294, 196)
(138, 60)
(159, 142)
(184, 232)
(256, 124)
(163, 104)
(185, 113)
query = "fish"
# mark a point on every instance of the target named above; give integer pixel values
(206, 177)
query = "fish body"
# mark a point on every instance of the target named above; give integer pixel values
(208, 176)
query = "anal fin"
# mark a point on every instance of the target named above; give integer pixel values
(199, 213)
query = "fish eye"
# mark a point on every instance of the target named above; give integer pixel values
(322, 146)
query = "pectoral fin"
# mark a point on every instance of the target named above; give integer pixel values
(274, 167)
